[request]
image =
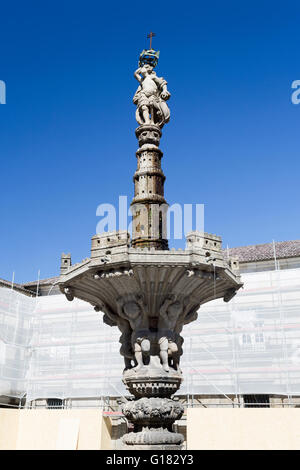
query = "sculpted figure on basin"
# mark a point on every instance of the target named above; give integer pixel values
(133, 309)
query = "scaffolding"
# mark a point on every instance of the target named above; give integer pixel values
(52, 348)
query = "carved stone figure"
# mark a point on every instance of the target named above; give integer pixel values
(148, 136)
(151, 97)
(168, 339)
(133, 309)
(68, 291)
(112, 319)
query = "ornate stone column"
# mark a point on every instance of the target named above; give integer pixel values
(146, 290)
(149, 207)
(157, 346)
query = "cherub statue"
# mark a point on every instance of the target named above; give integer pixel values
(133, 309)
(151, 97)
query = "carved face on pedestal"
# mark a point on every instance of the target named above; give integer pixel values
(149, 136)
(132, 310)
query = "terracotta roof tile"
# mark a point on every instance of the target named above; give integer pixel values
(47, 281)
(265, 251)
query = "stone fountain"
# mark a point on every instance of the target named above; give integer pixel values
(148, 291)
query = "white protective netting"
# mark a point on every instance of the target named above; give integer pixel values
(16, 319)
(250, 345)
(52, 348)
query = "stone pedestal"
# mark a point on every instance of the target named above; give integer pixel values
(154, 414)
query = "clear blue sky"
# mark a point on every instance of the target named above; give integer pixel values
(67, 138)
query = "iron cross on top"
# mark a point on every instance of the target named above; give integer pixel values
(151, 35)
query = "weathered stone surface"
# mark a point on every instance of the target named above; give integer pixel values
(148, 135)
(149, 206)
(153, 436)
(158, 292)
(150, 383)
(153, 411)
(148, 292)
(65, 262)
(150, 97)
(155, 275)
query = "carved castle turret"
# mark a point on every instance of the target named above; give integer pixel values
(149, 206)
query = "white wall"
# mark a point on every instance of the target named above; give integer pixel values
(243, 429)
